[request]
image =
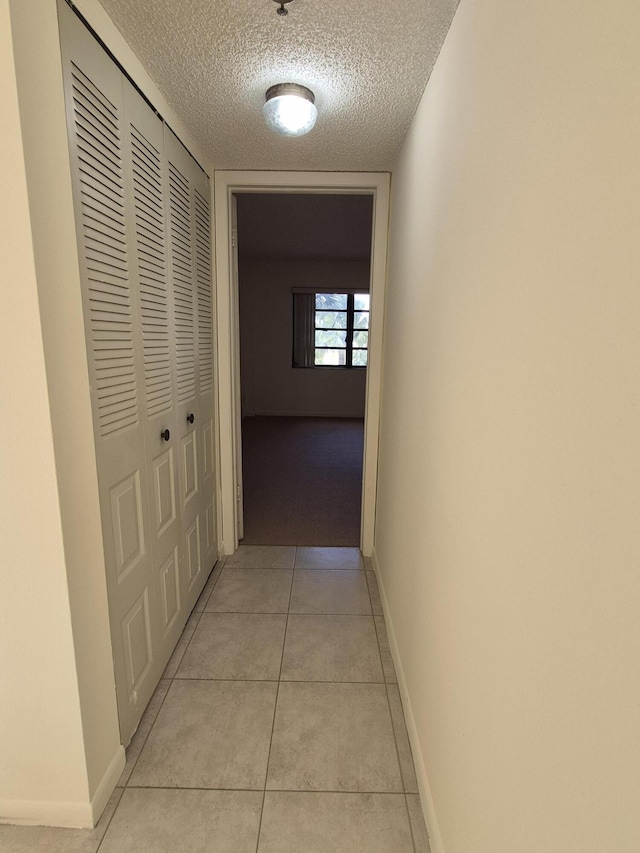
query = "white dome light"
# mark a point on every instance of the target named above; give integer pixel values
(290, 109)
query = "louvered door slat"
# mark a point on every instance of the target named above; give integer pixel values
(148, 201)
(95, 201)
(205, 303)
(107, 275)
(149, 187)
(112, 248)
(98, 138)
(152, 272)
(145, 171)
(96, 129)
(94, 153)
(145, 213)
(93, 180)
(103, 104)
(182, 268)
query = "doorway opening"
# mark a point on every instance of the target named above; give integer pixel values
(304, 262)
(229, 187)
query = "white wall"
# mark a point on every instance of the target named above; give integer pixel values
(508, 535)
(270, 385)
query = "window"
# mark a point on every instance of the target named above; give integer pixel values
(330, 329)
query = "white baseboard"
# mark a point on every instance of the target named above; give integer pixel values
(428, 807)
(107, 784)
(79, 815)
(46, 813)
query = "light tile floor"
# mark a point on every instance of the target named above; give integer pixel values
(277, 726)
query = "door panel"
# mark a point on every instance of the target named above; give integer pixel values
(143, 230)
(194, 561)
(127, 526)
(209, 537)
(182, 277)
(207, 448)
(202, 229)
(97, 140)
(209, 531)
(147, 184)
(137, 643)
(164, 493)
(189, 456)
(183, 270)
(206, 435)
(170, 592)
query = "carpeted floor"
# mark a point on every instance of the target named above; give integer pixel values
(302, 480)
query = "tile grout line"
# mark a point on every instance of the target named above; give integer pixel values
(106, 829)
(198, 614)
(297, 613)
(197, 619)
(171, 680)
(393, 728)
(275, 706)
(375, 628)
(413, 838)
(297, 569)
(272, 680)
(282, 613)
(358, 793)
(404, 787)
(395, 739)
(175, 677)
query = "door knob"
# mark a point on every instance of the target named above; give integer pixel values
(190, 418)
(165, 434)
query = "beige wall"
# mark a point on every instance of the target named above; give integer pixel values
(508, 534)
(43, 767)
(270, 385)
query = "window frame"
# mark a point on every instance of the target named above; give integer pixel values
(308, 331)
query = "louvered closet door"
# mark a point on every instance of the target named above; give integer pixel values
(183, 265)
(204, 299)
(147, 190)
(97, 131)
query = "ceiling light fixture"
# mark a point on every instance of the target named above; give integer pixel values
(282, 10)
(290, 109)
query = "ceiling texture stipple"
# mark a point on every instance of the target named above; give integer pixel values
(367, 62)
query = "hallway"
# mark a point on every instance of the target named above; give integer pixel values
(292, 463)
(277, 726)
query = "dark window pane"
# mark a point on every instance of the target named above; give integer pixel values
(330, 338)
(360, 339)
(361, 320)
(359, 358)
(361, 301)
(332, 319)
(331, 301)
(331, 357)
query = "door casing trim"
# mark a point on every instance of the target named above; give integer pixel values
(227, 184)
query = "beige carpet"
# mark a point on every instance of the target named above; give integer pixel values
(302, 480)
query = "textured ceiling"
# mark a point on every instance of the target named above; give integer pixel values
(301, 225)
(367, 61)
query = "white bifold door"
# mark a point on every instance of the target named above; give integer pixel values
(143, 227)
